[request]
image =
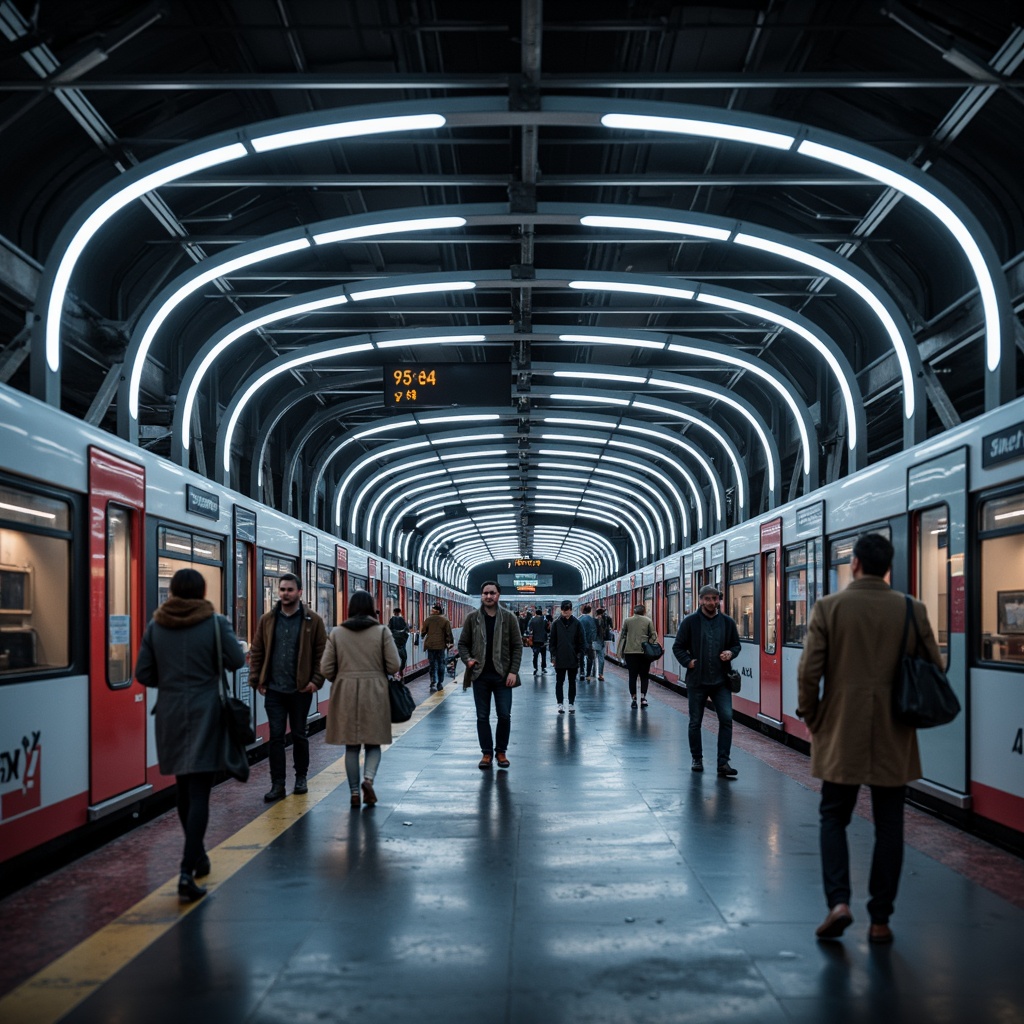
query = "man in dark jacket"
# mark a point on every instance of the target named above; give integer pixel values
(589, 625)
(400, 634)
(285, 662)
(539, 632)
(705, 645)
(567, 649)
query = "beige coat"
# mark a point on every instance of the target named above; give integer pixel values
(358, 663)
(853, 641)
(635, 631)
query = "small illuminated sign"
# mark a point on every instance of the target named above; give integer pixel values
(433, 385)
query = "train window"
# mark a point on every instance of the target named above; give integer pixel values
(840, 574)
(800, 591)
(741, 597)
(119, 597)
(35, 581)
(243, 598)
(932, 584)
(770, 584)
(274, 567)
(648, 601)
(671, 607)
(1002, 579)
(325, 595)
(179, 548)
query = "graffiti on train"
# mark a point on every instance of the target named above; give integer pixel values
(21, 766)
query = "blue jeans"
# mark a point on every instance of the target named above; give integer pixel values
(722, 700)
(502, 705)
(436, 660)
(280, 708)
(599, 656)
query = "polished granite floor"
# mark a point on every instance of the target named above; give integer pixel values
(596, 880)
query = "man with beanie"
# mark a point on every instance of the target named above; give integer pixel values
(567, 651)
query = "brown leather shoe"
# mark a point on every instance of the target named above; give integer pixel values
(880, 934)
(485, 761)
(355, 800)
(369, 797)
(503, 761)
(838, 920)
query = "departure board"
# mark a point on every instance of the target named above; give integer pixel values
(434, 385)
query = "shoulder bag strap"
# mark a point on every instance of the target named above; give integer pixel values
(906, 626)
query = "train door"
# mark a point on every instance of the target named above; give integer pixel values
(117, 704)
(937, 501)
(771, 599)
(245, 614)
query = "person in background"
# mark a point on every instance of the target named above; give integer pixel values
(491, 647)
(567, 654)
(524, 621)
(851, 656)
(285, 662)
(540, 631)
(589, 627)
(437, 638)
(359, 656)
(400, 634)
(705, 645)
(637, 630)
(603, 624)
(178, 656)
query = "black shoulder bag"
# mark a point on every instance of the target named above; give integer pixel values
(921, 694)
(237, 732)
(402, 704)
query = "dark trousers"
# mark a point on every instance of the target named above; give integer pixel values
(194, 814)
(638, 666)
(403, 657)
(560, 674)
(721, 698)
(283, 708)
(837, 804)
(540, 651)
(436, 660)
(482, 691)
(588, 660)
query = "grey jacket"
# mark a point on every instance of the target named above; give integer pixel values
(508, 642)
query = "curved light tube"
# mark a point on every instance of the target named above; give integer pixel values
(602, 488)
(644, 526)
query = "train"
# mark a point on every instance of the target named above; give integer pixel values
(91, 531)
(953, 508)
(92, 528)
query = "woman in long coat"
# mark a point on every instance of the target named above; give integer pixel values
(179, 657)
(637, 629)
(360, 654)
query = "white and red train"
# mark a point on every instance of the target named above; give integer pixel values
(92, 529)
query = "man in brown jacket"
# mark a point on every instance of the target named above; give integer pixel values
(285, 662)
(437, 638)
(854, 643)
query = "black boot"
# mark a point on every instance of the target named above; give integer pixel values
(276, 792)
(188, 891)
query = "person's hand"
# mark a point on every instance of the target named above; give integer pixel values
(262, 687)
(725, 656)
(309, 688)
(510, 680)
(471, 663)
(693, 663)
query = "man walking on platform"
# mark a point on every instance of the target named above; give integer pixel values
(604, 634)
(539, 631)
(705, 645)
(851, 658)
(400, 634)
(491, 646)
(589, 626)
(566, 654)
(437, 638)
(285, 662)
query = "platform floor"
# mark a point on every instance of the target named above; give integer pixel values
(596, 880)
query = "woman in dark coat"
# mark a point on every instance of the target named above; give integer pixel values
(179, 657)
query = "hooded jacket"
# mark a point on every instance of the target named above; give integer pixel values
(178, 656)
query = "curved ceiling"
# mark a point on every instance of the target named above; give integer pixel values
(682, 263)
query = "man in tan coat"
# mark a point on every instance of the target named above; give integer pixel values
(854, 644)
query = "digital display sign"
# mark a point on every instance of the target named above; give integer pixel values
(526, 582)
(433, 385)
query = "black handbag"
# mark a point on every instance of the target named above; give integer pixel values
(236, 732)
(921, 695)
(733, 680)
(402, 704)
(652, 650)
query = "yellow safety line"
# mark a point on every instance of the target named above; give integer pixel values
(58, 988)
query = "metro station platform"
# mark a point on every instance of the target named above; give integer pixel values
(596, 880)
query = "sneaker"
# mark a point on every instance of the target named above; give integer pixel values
(561, 709)
(300, 785)
(633, 703)
(697, 765)
(643, 702)
(727, 771)
(276, 792)
(572, 709)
